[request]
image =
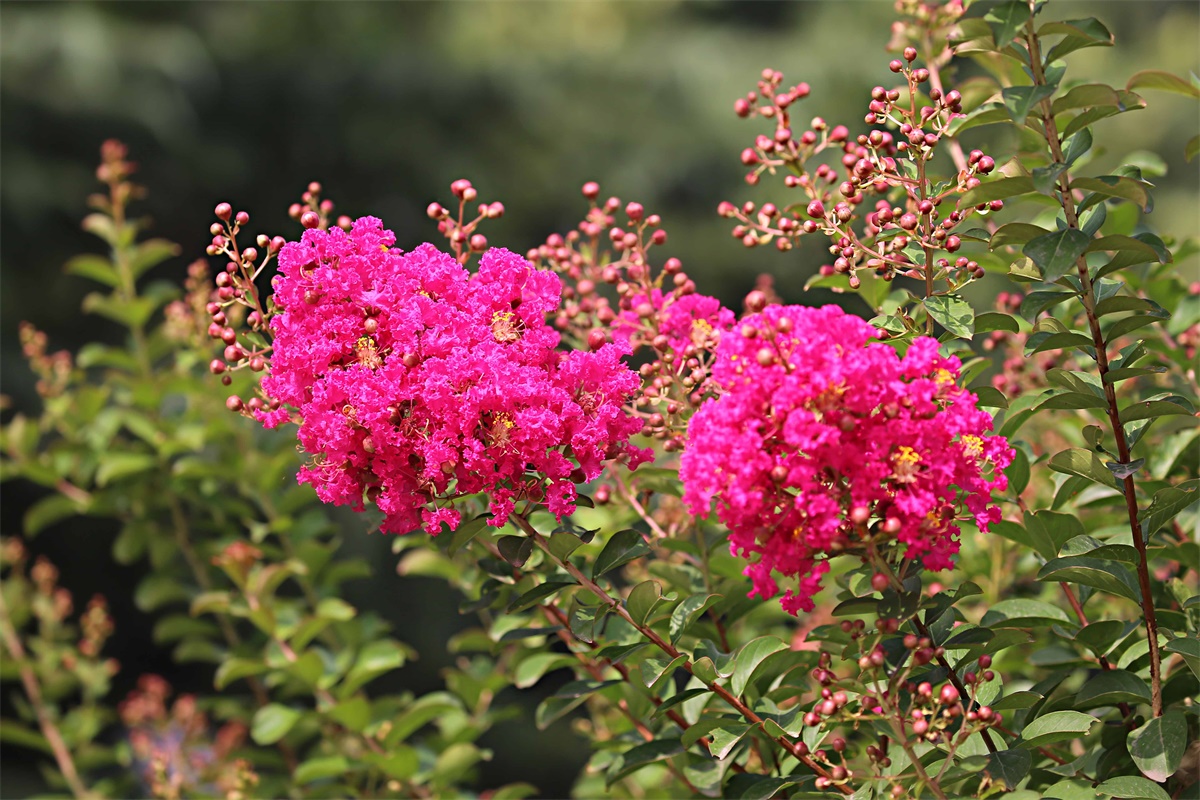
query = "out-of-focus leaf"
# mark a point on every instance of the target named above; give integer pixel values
(272, 722)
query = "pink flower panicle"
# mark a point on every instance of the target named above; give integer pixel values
(416, 382)
(824, 442)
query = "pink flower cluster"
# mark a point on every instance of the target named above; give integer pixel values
(417, 382)
(689, 321)
(823, 442)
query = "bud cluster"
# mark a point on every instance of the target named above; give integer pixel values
(612, 291)
(53, 370)
(174, 751)
(58, 644)
(906, 233)
(458, 230)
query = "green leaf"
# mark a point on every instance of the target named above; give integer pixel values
(996, 321)
(1020, 612)
(1105, 575)
(1035, 303)
(1009, 766)
(532, 668)
(1157, 747)
(1020, 100)
(1152, 409)
(1056, 254)
(375, 659)
(353, 714)
(1101, 636)
(400, 762)
(1115, 186)
(1111, 687)
(1085, 464)
(421, 712)
(336, 609)
(1189, 649)
(688, 611)
(316, 769)
(157, 590)
(1006, 20)
(656, 669)
(233, 669)
(538, 594)
(746, 786)
(556, 707)
(49, 510)
(563, 544)
(151, 253)
(643, 755)
(115, 466)
(1000, 189)
(1075, 400)
(952, 313)
(515, 549)
(14, 732)
(989, 397)
(726, 737)
(1086, 96)
(1191, 149)
(272, 722)
(1132, 787)
(643, 599)
(94, 268)
(750, 657)
(1164, 81)
(1078, 34)
(466, 532)
(1015, 233)
(621, 548)
(1056, 726)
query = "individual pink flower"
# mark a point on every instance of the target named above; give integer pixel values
(417, 382)
(824, 442)
(690, 320)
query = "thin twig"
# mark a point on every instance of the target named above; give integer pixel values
(33, 690)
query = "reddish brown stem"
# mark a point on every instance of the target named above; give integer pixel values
(736, 702)
(33, 690)
(1087, 297)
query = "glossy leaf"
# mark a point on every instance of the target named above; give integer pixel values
(1132, 787)
(1163, 81)
(1110, 687)
(1115, 186)
(1083, 463)
(1107, 576)
(1056, 254)
(688, 611)
(1057, 726)
(1000, 189)
(1009, 766)
(1006, 20)
(952, 313)
(1157, 747)
(621, 548)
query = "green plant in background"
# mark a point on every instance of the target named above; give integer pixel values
(1060, 658)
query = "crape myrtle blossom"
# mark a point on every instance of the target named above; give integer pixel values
(824, 442)
(415, 381)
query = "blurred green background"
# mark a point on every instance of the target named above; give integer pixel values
(386, 103)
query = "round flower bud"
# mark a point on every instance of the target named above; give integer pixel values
(310, 219)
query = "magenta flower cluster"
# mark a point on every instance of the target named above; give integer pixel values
(686, 321)
(824, 442)
(417, 382)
